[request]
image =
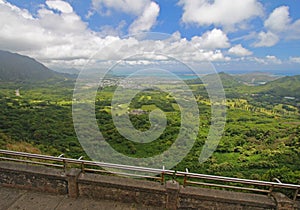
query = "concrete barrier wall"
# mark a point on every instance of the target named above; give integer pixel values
(170, 195)
(200, 198)
(121, 189)
(33, 177)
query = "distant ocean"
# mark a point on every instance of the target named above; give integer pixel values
(181, 75)
(270, 72)
(191, 75)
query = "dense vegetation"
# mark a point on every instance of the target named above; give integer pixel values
(261, 138)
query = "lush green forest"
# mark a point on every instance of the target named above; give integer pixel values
(260, 141)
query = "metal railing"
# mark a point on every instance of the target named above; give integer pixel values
(136, 171)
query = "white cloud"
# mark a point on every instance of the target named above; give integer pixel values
(60, 23)
(22, 12)
(268, 39)
(127, 6)
(293, 31)
(219, 12)
(273, 59)
(174, 47)
(295, 59)
(108, 30)
(61, 6)
(146, 20)
(19, 30)
(63, 40)
(267, 60)
(279, 26)
(211, 40)
(278, 20)
(49, 35)
(239, 50)
(146, 12)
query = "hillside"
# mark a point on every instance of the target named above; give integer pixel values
(72, 71)
(256, 78)
(15, 67)
(228, 81)
(288, 86)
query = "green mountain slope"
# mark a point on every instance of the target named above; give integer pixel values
(256, 78)
(228, 81)
(288, 86)
(15, 67)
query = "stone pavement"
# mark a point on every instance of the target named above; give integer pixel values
(16, 199)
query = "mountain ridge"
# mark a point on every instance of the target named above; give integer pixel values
(17, 67)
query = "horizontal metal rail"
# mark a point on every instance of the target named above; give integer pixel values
(30, 161)
(230, 187)
(189, 178)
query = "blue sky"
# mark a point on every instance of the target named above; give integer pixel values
(235, 35)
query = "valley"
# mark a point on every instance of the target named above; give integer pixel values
(260, 140)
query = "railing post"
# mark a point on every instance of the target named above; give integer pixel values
(163, 175)
(172, 188)
(82, 167)
(174, 175)
(283, 202)
(72, 176)
(185, 177)
(81, 164)
(65, 165)
(296, 194)
(39, 159)
(270, 190)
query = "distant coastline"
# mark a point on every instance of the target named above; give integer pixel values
(191, 76)
(269, 72)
